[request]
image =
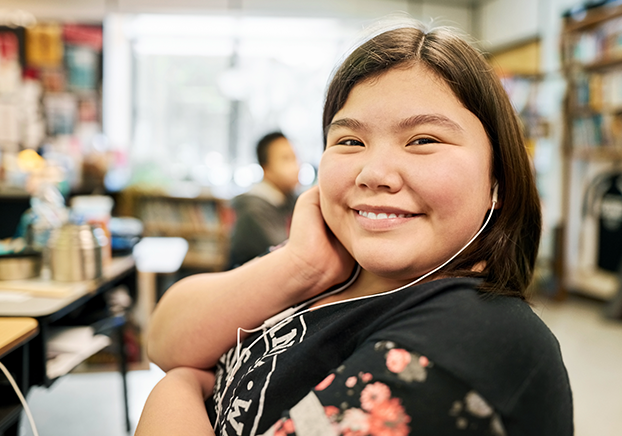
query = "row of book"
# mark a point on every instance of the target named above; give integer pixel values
(206, 248)
(202, 216)
(602, 43)
(599, 130)
(601, 92)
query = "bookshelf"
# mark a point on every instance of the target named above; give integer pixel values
(591, 50)
(204, 221)
(520, 69)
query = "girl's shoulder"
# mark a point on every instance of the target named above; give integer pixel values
(495, 343)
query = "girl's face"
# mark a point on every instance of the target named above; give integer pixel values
(405, 180)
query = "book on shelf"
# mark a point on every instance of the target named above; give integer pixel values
(596, 44)
(199, 216)
(210, 215)
(587, 131)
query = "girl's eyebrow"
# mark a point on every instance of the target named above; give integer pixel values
(350, 123)
(438, 119)
(416, 120)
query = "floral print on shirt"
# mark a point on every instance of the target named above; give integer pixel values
(379, 414)
(398, 395)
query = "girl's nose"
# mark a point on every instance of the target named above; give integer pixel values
(381, 171)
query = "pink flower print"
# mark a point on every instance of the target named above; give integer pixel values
(397, 360)
(389, 419)
(331, 412)
(424, 361)
(374, 394)
(325, 383)
(355, 423)
(365, 377)
(334, 416)
(351, 381)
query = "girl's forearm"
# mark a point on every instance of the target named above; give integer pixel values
(196, 321)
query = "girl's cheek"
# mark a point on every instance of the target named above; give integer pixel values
(327, 174)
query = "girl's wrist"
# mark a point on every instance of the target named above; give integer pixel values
(308, 280)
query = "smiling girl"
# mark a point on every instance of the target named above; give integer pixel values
(398, 304)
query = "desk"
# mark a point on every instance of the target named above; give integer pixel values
(27, 298)
(15, 332)
(14, 335)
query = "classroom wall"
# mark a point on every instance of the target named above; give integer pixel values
(505, 21)
(455, 12)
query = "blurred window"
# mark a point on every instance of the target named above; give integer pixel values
(206, 88)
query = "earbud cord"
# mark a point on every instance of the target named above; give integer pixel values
(293, 311)
(21, 399)
(281, 316)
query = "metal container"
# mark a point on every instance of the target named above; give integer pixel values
(19, 266)
(76, 252)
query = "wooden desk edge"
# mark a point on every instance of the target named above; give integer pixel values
(15, 332)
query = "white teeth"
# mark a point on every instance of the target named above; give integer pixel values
(382, 215)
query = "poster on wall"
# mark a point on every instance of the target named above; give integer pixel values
(83, 46)
(44, 46)
(12, 43)
(11, 58)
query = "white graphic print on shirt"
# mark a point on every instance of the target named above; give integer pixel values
(239, 394)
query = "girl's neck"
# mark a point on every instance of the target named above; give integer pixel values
(367, 283)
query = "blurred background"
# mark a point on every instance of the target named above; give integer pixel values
(153, 109)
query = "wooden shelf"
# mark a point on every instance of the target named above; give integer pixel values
(598, 153)
(74, 345)
(88, 367)
(594, 84)
(603, 64)
(586, 111)
(183, 230)
(202, 220)
(602, 285)
(593, 18)
(200, 260)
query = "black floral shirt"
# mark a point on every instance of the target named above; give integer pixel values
(435, 359)
(402, 393)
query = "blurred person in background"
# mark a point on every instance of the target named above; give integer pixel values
(263, 214)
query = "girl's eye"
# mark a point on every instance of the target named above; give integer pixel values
(423, 141)
(351, 142)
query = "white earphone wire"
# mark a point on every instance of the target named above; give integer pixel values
(21, 399)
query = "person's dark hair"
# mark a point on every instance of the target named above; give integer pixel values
(264, 144)
(509, 244)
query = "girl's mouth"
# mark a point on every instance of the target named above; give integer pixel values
(384, 216)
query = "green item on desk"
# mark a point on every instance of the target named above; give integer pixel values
(12, 246)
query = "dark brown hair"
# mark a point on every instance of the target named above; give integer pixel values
(509, 244)
(263, 145)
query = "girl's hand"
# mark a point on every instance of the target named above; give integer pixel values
(320, 258)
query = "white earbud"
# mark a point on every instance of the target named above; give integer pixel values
(495, 192)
